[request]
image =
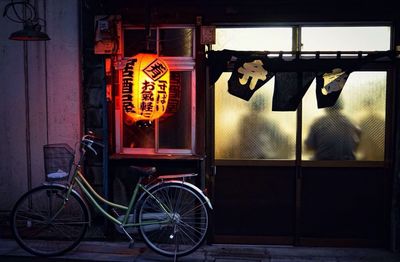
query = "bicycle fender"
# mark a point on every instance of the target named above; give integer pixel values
(178, 182)
(77, 194)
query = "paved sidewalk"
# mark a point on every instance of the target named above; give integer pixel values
(119, 251)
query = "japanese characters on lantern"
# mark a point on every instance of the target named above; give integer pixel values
(145, 88)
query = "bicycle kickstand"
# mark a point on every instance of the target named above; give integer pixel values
(131, 240)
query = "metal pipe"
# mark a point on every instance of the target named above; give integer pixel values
(27, 112)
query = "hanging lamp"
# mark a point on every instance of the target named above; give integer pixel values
(31, 22)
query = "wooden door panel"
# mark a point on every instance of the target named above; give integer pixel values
(254, 202)
(343, 203)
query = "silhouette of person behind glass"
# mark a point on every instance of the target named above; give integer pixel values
(261, 138)
(333, 136)
(372, 141)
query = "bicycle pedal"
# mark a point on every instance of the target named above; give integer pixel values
(131, 244)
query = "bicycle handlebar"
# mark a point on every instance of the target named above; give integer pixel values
(89, 140)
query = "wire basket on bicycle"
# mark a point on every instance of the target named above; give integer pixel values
(58, 160)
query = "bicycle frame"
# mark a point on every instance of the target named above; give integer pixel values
(94, 198)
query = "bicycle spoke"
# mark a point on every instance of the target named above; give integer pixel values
(191, 209)
(191, 227)
(35, 228)
(189, 220)
(71, 223)
(176, 244)
(165, 198)
(187, 235)
(64, 232)
(30, 219)
(178, 200)
(35, 233)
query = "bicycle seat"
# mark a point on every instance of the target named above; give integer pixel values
(142, 171)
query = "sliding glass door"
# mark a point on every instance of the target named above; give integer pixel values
(307, 176)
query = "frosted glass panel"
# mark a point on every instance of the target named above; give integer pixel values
(249, 129)
(354, 130)
(345, 38)
(254, 39)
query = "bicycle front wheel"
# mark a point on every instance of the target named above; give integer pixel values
(46, 223)
(180, 229)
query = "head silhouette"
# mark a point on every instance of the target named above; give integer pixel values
(337, 107)
(258, 103)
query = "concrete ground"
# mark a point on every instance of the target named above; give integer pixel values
(97, 247)
(119, 251)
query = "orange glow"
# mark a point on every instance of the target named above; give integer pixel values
(145, 88)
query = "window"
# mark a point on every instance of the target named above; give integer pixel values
(250, 129)
(174, 132)
(246, 130)
(356, 123)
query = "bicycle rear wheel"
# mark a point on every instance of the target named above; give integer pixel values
(45, 223)
(182, 229)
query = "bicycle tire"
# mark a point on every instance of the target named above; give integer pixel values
(38, 229)
(188, 216)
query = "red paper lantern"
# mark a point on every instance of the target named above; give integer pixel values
(145, 88)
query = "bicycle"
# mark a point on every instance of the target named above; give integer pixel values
(171, 214)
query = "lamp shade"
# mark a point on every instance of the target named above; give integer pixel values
(30, 32)
(145, 88)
